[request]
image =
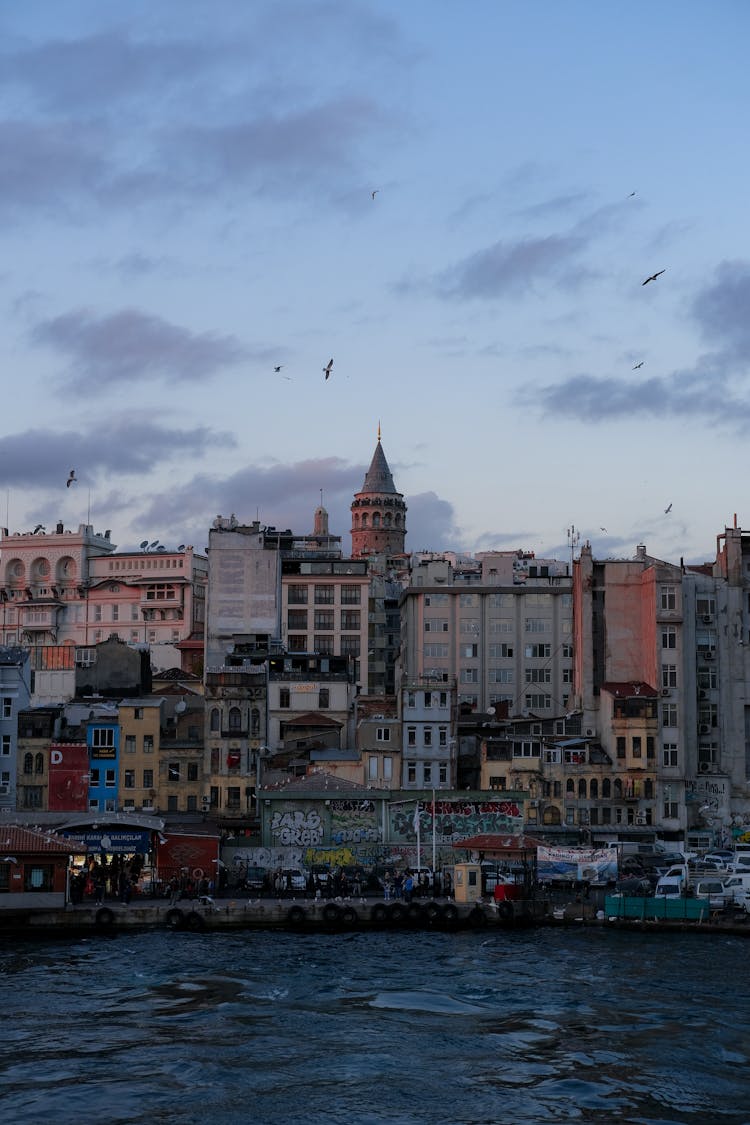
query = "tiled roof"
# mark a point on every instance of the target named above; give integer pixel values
(15, 839)
(311, 719)
(628, 689)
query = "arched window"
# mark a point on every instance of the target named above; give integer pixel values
(387, 519)
(39, 763)
(582, 787)
(593, 789)
(254, 722)
(618, 788)
(551, 815)
(606, 788)
(215, 720)
(28, 763)
(570, 786)
(376, 519)
(235, 718)
(364, 519)
(648, 788)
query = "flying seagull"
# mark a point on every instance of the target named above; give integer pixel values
(653, 277)
(637, 365)
(374, 193)
(631, 195)
(668, 509)
(327, 368)
(277, 369)
(603, 529)
(71, 479)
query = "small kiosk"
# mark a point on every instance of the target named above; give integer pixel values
(467, 882)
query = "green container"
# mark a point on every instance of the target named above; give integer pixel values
(669, 907)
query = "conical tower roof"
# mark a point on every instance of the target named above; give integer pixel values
(378, 477)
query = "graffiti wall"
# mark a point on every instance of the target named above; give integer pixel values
(454, 820)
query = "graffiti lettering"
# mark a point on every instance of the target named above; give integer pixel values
(300, 828)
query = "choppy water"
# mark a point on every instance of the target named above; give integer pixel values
(542, 1026)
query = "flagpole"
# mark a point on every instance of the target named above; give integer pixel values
(434, 850)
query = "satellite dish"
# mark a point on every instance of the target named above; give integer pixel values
(144, 544)
(161, 548)
(154, 544)
(180, 707)
(181, 547)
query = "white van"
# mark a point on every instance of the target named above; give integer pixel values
(737, 888)
(713, 890)
(671, 885)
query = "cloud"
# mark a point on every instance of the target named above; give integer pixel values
(430, 524)
(722, 311)
(48, 164)
(127, 345)
(107, 67)
(40, 458)
(511, 268)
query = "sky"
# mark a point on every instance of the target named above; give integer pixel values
(459, 203)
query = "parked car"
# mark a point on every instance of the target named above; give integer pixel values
(292, 878)
(714, 891)
(256, 878)
(737, 888)
(670, 885)
(723, 856)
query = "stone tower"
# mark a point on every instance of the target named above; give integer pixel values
(378, 512)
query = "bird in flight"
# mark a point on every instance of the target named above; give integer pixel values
(637, 365)
(653, 277)
(39, 527)
(668, 509)
(277, 369)
(328, 367)
(631, 195)
(603, 529)
(374, 193)
(71, 479)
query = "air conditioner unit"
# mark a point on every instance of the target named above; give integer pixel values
(708, 655)
(704, 728)
(704, 767)
(706, 618)
(589, 732)
(4, 790)
(665, 691)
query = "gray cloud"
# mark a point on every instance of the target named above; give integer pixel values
(43, 458)
(722, 311)
(430, 524)
(107, 350)
(48, 164)
(107, 66)
(508, 268)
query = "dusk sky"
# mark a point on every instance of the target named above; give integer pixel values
(186, 203)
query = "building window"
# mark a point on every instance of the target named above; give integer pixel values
(427, 773)
(536, 652)
(297, 642)
(469, 652)
(669, 675)
(436, 625)
(411, 736)
(130, 744)
(323, 644)
(442, 736)
(296, 619)
(297, 595)
(5, 749)
(233, 797)
(235, 719)
(215, 721)
(668, 636)
(325, 595)
(637, 746)
(469, 675)
(192, 803)
(192, 771)
(28, 763)
(7, 707)
(350, 619)
(650, 746)
(500, 676)
(538, 625)
(324, 619)
(668, 598)
(411, 772)
(350, 595)
(284, 700)
(669, 714)
(129, 779)
(669, 754)
(109, 778)
(671, 810)
(427, 736)
(94, 778)
(387, 767)
(102, 738)
(502, 652)
(148, 779)
(173, 771)
(148, 744)
(372, 767)
(538, 675)
(324, 697)
(350, 646)
(382, 734)
(538, 702)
